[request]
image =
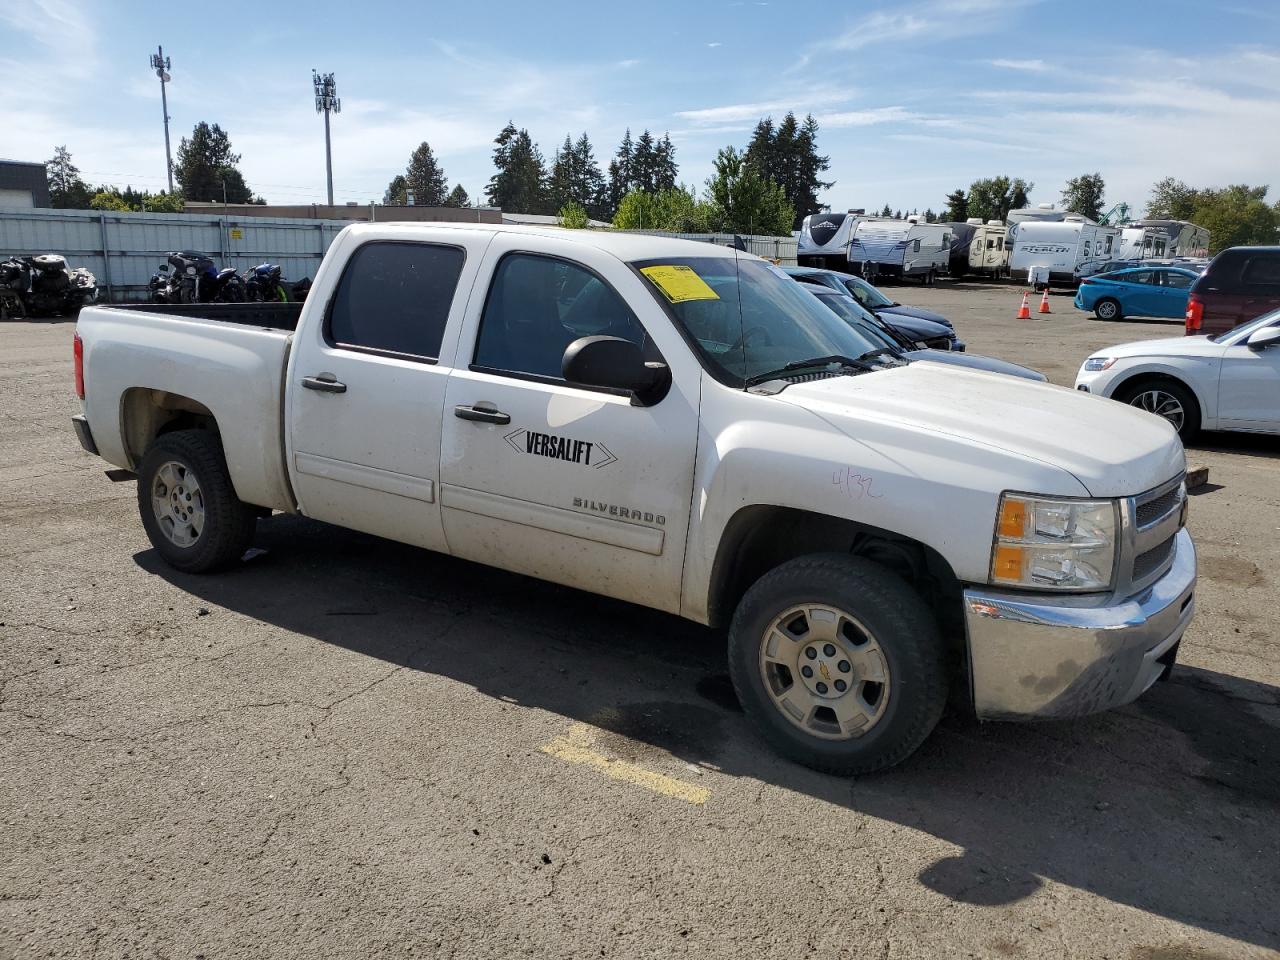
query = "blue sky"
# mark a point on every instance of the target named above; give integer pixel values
(914, 98)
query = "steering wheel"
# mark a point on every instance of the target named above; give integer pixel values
(747, 336)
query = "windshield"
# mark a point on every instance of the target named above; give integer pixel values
(1241, 332)
(747, 317)
(866, 294)
(847, 309)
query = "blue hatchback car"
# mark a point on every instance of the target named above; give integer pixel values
(1139, 292)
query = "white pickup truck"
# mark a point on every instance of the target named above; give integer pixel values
(684, 427)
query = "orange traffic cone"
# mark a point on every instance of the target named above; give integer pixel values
(1024, 311)
(1044, 301)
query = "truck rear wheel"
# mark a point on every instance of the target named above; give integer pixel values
(838, 663)
(189, 509)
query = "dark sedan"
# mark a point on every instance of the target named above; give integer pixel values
(848, 309)
(899, 315)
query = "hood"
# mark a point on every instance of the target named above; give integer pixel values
(1184, 346)
(902, 310)
(974, 361)
(917, 328)
(1112, 449)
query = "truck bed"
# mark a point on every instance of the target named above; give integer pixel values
(267, 316)
(224, 359)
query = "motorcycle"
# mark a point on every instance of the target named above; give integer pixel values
(263, 283)
(44, 286)
(197, 280)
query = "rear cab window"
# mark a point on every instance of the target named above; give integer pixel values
(394, 299)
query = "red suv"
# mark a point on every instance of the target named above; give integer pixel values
(1240, 284)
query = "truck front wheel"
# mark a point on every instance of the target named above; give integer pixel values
(189, 508)
(838, 663)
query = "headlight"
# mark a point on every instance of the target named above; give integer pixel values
(1054, 544)
(1095, 364)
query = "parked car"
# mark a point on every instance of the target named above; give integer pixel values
(681, 427)
(899, 315)
(1240, 284)
(849, 310)
(1226, 382)
(1142, 292)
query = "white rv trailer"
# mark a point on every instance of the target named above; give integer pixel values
(1161, 239)
(978, 248)
(882, 246)
(1044, 213)
(824, 240)
(1063, 251)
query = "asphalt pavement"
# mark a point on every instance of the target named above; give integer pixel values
(351, 748)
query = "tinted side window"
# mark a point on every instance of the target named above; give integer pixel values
(1142, 276)
(537, 306)
(1262, 269)
(1179, 281)
(395, 298)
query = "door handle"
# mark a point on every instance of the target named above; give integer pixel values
(325, 383)
(482, 413)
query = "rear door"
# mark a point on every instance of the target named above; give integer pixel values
(367, 385)
(1175, 285)
(1139, 296)
(577, 486)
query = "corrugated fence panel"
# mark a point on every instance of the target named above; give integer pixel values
(123, 250)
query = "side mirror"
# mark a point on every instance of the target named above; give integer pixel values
(617, 364)
(1266, 337)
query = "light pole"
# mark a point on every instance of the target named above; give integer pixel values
(327, 102)
(161, 64)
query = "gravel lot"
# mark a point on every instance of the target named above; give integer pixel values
(350, 748)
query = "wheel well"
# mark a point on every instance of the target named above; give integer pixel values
(145, 414)
(1139, 379)
(759, 538)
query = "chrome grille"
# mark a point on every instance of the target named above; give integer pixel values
(1153, 511)
(1147, 563)
(1152, 521)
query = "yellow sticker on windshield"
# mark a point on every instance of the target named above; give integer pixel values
(679, 283)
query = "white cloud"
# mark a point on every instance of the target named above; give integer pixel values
(927, 22)
(1030, 66)
(752, 112)
(715, 43)
(866, 118)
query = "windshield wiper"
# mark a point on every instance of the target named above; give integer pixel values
(847, 363)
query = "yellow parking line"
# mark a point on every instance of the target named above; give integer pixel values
(576, 747)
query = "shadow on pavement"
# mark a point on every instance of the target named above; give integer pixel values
(1171, 805)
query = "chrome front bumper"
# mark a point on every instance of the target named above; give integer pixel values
(1036, 657)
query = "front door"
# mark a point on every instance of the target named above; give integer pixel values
(1249, 389)
(367, 386)
(577, 486)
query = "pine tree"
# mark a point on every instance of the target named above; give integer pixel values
(930, 216)
(457, 197)
(787, 154)
(957, 207)
(576, 177)
(520, 183)
(66, 190)
(425, 178)
(396, 192)
(621, 178)
(743, 201)
(206, 167)
(887, 211)
(665, 167)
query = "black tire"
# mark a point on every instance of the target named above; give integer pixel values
(228, 523)
(904, 629)
(1132, 392)
(1108, 308)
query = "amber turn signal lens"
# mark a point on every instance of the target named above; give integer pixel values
(1013, 518)
(1008, 564)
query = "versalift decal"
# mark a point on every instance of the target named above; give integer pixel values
(587, 453)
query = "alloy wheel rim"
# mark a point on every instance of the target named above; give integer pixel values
(825, 672)
(1107, 310)
(1162, 404)
(178, 503)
